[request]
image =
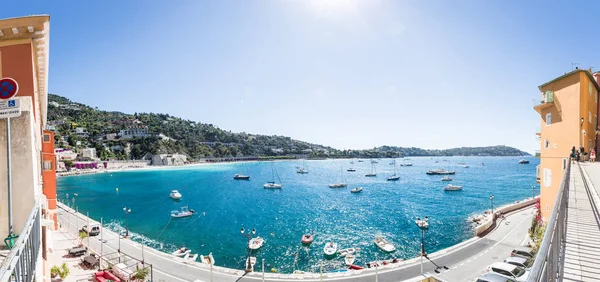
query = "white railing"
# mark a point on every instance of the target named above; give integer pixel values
(20, 264)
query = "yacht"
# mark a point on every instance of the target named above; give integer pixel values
(184, 212)
(241, 177)
(451, 187)
(175, 195)
(440, 172)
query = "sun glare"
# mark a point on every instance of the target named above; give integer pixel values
(332, 7)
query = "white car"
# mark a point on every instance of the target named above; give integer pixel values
(520, 261)
(523, 252)
(494, 277)
(509, 271)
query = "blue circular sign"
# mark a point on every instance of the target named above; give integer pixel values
(8, 88)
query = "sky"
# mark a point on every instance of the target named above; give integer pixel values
(344, 73)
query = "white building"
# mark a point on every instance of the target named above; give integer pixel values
(65, 154)
(89, 153)
(134, 131)
(81, 131)
(169, 159)
(111, 136)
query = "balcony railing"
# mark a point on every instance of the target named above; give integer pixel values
(550, 257)
(20, 264)
(547, 101)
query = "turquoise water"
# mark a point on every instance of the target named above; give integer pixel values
(305, 203)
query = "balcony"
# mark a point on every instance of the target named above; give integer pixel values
(21, 263)
(547, 101)
(537, 154)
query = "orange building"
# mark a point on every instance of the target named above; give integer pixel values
(568, 112)
(49, 174)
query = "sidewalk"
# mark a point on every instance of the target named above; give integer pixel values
(583, 226)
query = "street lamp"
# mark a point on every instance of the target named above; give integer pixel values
(492, 204)
(249, 236)
(127, 211)
(423, 224)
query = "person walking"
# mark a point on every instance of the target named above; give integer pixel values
(573, 154)
(592, 155)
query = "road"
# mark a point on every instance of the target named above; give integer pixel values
(465, 262)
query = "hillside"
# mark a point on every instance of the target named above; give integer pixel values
(117, 135)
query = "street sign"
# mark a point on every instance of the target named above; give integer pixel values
(8, 88)
(9, 104)
(9, 108)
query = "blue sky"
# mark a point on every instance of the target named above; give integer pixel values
(350, 74)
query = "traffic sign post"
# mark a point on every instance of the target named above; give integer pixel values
(9, 108)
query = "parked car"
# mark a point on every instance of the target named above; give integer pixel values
(520, 261)
(93, 230)
(509, 271)
(494, 277)
(522, 252)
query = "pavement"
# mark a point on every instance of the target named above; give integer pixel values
(466, 261)
(583, 225)
(57, 255)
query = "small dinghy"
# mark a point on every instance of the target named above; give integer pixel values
(190, 258)
(207, 259)
(348, 251)
(184, 212)
(255, 243)
(349, 259)
(355, 267)
(356, 190)
(330, 249)
(307, 239)
(384, 245)
(181, 252)
(250, 262)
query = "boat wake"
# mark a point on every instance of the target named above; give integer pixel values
(115, 226)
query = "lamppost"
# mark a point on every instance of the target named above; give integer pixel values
(249, 236)
(423, 224)
(492, 204)
(127, 211)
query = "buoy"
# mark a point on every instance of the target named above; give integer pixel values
(273, 270)
(117, 189)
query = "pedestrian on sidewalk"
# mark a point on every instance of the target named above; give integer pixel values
(573, 154)
(592, 155)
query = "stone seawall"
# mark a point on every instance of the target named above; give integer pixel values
(486, 225)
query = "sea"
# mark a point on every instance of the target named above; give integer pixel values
(305, 204)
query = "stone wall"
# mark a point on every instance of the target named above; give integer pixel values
(482, 228)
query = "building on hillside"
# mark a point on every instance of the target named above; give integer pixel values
(214, 144)
(110, 136)
(169, 159)
(568, 112)
(24, 53)
(134, 131)
(81, 132)
(88, 153)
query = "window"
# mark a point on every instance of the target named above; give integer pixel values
(47, 165)
(46, 137)
(564, 164)
(547, 177)
(546, 144)
(548, 119)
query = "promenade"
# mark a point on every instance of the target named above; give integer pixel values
(583, 224)
(465, 261)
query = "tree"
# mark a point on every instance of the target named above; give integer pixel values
(68, 164)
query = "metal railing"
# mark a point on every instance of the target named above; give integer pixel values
(549, 261)
(20, 264)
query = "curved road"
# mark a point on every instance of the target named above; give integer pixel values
(465, 261)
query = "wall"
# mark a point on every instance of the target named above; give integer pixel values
(505, 209)
(49, 176)
(17, 62)
(588, 105)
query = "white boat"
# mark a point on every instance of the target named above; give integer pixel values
(466, 166)
(446, 178)
(175, 195)
(207, 259)
(340, 184)
(351, 169)
(330, 248)
(250, 262)
(190, 258)
(394, 176)
(451, 187)
(184, 212)
(255, 243)
(303, 169)
(373, 161)
(383, 244)
(356, 190)
(272, 184)
(347, 251)
(349, 259)
(181, 252)
(422, 223)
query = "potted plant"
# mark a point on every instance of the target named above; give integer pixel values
(82, 235)
(141, 274)
(54, 271)
(64, 271)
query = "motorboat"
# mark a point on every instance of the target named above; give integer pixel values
(250, 262)
(356, 190)
(451, 187)
(446, 178)
(190, 258)
(422, 223)
(302, 171)
(347, 251)
(184, 212)
(349, 259)
(181, 252)
(360, 161)
(241, 177)
(307, 239)
(351, 170)
(175, 195)
(255, 243)
(338, 185)
(466, 166)
(207, 259)
(383, 244)
(523, 161)
(406, 164)
(330, 249)
(393, 177)
(272, 185)
(440, 172)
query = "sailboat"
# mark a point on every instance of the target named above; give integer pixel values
(405, 162)
(351, 169)
(394, 176)
(340, 184)
(272, 184)
(372, 173)
(303, 169)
